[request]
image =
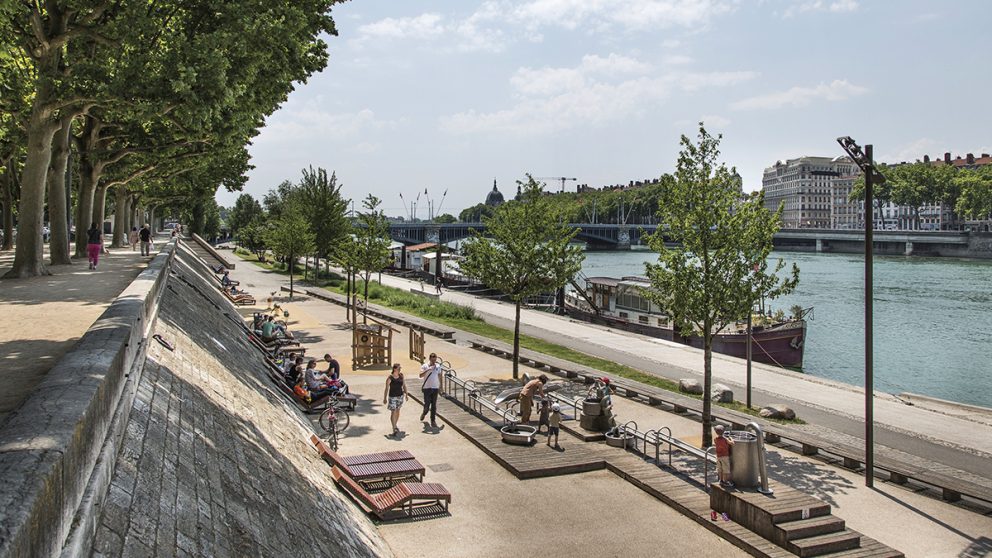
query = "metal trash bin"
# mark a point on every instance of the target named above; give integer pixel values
(745, 460)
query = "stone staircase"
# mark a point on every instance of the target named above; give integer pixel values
(796, 522)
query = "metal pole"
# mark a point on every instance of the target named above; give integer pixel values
(749, 358)
(869, 381)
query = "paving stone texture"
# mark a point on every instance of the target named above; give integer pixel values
(214, 462)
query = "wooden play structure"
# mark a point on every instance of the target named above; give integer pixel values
(371, 342)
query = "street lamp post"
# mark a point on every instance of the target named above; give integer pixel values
(864, 161)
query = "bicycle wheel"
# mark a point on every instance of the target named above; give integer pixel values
(341, 421)
(326, 418)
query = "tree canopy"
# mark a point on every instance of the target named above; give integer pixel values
(716, 269)
(525, 251)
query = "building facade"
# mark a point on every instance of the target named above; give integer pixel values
(808, 188)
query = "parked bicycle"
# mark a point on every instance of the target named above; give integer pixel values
(334, 420)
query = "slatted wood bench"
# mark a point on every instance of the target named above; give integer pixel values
(382, 471)
(377, 457)
(402, 500)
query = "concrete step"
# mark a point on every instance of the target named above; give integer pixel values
(788, 514)
(820, 545)
(811, 527)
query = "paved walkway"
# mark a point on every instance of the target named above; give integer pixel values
(957, 437)
(44, 317)
(486, 495)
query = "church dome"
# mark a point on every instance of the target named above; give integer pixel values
(495, 198)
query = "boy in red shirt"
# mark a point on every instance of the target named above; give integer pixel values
(723, 449)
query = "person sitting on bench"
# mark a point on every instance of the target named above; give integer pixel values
(293, 371)
(226, 279)
(319, 384)
(272, 331)
(238, 295)
(334, 373)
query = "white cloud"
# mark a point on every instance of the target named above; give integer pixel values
(424, 26)
(837, 90)
(291, 125)
(597, 91)
(630, 15)
(837, 7)
(714, 121)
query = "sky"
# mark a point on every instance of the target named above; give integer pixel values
(445, 96)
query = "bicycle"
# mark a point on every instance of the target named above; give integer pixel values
(334, 420)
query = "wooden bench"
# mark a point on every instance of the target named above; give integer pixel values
(366, 458)
(382, 471)
(401, 500)
(396, 318)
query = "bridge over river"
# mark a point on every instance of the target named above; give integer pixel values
(621, 237)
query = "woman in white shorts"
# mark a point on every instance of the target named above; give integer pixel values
(395, 394)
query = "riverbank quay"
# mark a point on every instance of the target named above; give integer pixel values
(831, 409)
(899, 517)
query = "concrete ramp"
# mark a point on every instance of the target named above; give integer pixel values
(215, 462)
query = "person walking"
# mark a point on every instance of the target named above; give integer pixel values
(133, 239)
(94, 244)
(395, 394)
(145, 234)
(431, 373)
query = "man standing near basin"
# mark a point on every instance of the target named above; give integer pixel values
(531, 388)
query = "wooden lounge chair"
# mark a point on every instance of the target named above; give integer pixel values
(383, 471)
(240, 300)
(399, 501)
(366, 458)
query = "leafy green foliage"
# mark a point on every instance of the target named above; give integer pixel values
(975, 186)
(717, 269)
(290, 238)
(253, 238)
(321, 203)
(246, 211)
(526, 250)
(370, 250)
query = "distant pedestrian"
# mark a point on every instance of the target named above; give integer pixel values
(724, 447)
(395, 393)
(133, 239)
(94, 244)
(145, 235)
(431, 373)
(438, 284)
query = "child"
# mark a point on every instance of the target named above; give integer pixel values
(723, 448)
(553, 421)
(542, 419)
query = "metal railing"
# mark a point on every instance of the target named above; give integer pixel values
(469, 395)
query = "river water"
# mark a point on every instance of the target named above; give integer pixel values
(933, 319)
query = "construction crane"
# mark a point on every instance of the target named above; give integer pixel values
(561, 178)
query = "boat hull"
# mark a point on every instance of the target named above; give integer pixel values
(779, 345)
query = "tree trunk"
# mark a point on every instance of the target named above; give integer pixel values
(90, 170)
(347, 292)
(100, 206)
(120, 217)
(291, 278)
(151, 219)
(8, 205)
(707, 387)
(365, 314)
(516, 343)
(28, 253)
(58, 239)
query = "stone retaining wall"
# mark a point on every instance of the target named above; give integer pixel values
(50, 446)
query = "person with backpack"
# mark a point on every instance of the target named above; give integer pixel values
(94, 244)
(145, 234)
(431, 373)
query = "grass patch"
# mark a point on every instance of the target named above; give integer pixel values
(465, 318)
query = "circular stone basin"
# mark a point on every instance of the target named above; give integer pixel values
(591, 407)
(615, 441)
(518, 434)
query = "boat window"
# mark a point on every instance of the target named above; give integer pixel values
(624, 315)
(643, 319)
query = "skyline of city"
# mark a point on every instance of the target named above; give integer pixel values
(447, 96)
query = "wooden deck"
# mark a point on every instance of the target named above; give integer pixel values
(674, 487)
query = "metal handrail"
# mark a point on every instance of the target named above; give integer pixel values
(706, 466)
(623, 429)
(762, 470)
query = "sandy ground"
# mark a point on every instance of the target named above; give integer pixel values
(44, 317)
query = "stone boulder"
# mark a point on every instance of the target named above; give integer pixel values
(688, 385)
(777, 411)
(722, 394)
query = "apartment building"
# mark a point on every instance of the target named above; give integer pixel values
(813, 192)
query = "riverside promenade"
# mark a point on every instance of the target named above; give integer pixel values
(912, 522)
(955, 437)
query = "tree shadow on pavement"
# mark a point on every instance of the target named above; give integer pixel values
(820, 481)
